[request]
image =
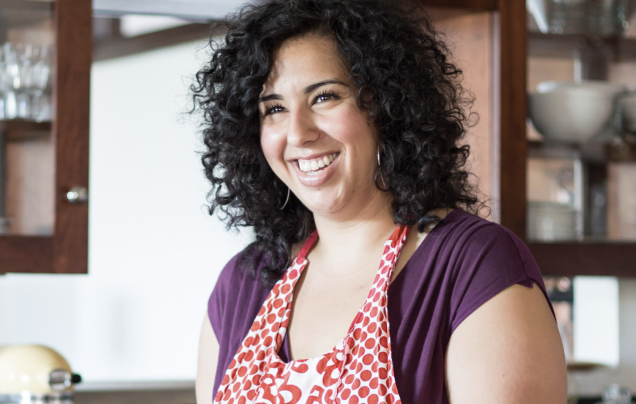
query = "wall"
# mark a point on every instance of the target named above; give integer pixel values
(470, 38)
(592, 383)
(154, 252)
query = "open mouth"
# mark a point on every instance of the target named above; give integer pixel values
(315, 166)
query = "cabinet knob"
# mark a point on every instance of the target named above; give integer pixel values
(77, 195)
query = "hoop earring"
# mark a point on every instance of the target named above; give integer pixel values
(378, 174)
(286, 200)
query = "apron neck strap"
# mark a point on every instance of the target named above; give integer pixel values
(311, 240)
(400, 232)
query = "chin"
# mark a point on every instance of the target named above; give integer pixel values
(324, 204)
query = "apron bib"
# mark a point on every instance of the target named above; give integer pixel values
(358, 370)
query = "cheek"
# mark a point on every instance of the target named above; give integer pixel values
(353, 129)
(273, 146)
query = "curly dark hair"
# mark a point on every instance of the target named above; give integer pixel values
(400, 67)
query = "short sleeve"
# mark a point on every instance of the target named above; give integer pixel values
(218, 298)
(491, 259)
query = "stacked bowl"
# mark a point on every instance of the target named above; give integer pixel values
(551, 221)
(574, 112)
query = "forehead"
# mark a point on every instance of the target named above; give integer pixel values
(303, 61)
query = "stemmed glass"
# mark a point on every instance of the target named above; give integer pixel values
(36, 82)
(3, 82)
(24, 77)
(40, 102)
(13, 97)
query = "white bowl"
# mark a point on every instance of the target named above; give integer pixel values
(609, 89)
(627, 106)
(566, 111)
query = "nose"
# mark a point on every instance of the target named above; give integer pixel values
(302, 128)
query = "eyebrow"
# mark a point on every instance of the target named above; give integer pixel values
(307, 90)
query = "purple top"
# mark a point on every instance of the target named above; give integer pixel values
(462, 263)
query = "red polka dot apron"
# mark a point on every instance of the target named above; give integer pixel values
(358, 370)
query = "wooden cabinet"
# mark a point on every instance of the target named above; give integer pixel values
(50, 156)
(500, 145)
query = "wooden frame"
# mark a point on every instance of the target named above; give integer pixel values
(67, 250)
(570, 259)
(510, 48)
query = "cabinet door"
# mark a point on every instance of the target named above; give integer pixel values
(44, 153)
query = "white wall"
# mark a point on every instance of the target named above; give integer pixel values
(154, 253)
(592, 383)
(596, 315)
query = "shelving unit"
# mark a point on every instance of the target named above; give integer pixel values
(595, 56)
(62, 245)
(513, 44)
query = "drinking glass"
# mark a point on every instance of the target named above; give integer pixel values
(40, 73)
(24, 79)
(12, 55)
(3, 83)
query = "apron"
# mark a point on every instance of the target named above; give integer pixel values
(358, 370)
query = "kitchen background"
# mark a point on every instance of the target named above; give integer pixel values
(154, 252)
(131, 325)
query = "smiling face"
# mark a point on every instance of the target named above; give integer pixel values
(313, 134)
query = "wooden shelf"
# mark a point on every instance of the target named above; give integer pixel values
(568, 45)
(18, 129)
(585, 258)
(598, 153)
(27, 254)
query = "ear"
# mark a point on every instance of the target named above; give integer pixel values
(365, 99)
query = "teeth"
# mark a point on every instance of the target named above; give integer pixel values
(314, 165)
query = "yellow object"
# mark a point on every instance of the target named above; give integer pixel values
(27, 368)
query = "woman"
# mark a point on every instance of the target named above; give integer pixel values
(333, 128)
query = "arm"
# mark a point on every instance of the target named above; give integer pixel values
(507, 351)
(208, 357)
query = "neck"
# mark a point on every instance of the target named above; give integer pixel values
(364, 231)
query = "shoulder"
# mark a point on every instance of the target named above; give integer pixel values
(482, 259)
(237, 287)
(231, 275)
(504, 341)
(241, 272)
(472, 237)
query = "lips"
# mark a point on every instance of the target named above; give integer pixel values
(315, 171)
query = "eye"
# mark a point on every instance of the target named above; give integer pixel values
(273, 109)
(325, 96)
